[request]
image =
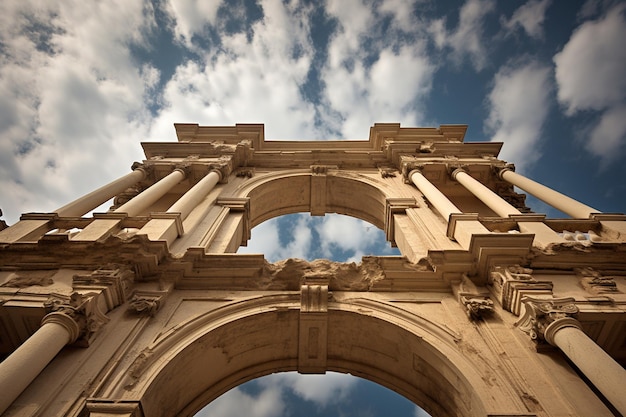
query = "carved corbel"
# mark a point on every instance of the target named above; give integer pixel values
(542, 317)
(477, 305)
(387, 172)
(79, 314)
(245, 172)
(149, 302)
(513, 282)
(476, 301)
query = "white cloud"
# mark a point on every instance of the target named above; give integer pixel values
(265, 239)
(467, 38)
(374, 83)
(590, 76)
(529, 17)
(191, 17)
(347, 233)
(268, 403)
(323, 389)
(519, 104)
(248, 80)
(75, 97)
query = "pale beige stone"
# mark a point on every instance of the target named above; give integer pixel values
(168, 317)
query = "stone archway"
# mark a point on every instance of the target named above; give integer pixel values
(196, 362)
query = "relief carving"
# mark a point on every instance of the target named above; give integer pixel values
(477, 305)
(145, 304)
(596, 283)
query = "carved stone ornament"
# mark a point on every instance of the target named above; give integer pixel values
(245, 172)
(319, 169)
(542, 317)
(477, 305)
(387, 172)
(82, 309)
(145, 304)
(596, 283)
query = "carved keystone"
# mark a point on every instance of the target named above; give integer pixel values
(313, 330)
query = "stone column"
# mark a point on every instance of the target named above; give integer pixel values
(442, 204)
(107, 223)
(543, 234)
(551, 320)
(168, 226)
(462, 227)
(19, 369)
(484, 194)
(191, 198)
(557, 200)
(152, 194)
(95, 198)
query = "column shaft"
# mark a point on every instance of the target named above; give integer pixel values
(19, 369)
(441, 203)
(484, 194)
(601, 369)
(191, 198)
(152, 194)
(88, 202)
(557, 200)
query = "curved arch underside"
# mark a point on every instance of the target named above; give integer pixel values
(275, 196)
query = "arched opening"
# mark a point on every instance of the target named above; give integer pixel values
(333, 236)
(195, 363)
(293, 394)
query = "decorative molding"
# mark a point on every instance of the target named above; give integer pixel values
(387, 172)
(512, 283)
(393, 206)
(542, 317)
(149, 302)
(596, 283)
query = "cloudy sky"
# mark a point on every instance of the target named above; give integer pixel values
(83, 82)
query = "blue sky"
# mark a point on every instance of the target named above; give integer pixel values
(83, 82)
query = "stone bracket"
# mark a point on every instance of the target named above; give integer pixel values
(171, 216)
(313, 327)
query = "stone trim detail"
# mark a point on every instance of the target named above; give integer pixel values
(513, 282)
(542, 317)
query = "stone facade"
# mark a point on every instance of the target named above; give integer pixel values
(146, 310)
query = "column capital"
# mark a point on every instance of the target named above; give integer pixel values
(79, 314)
(543, 317)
